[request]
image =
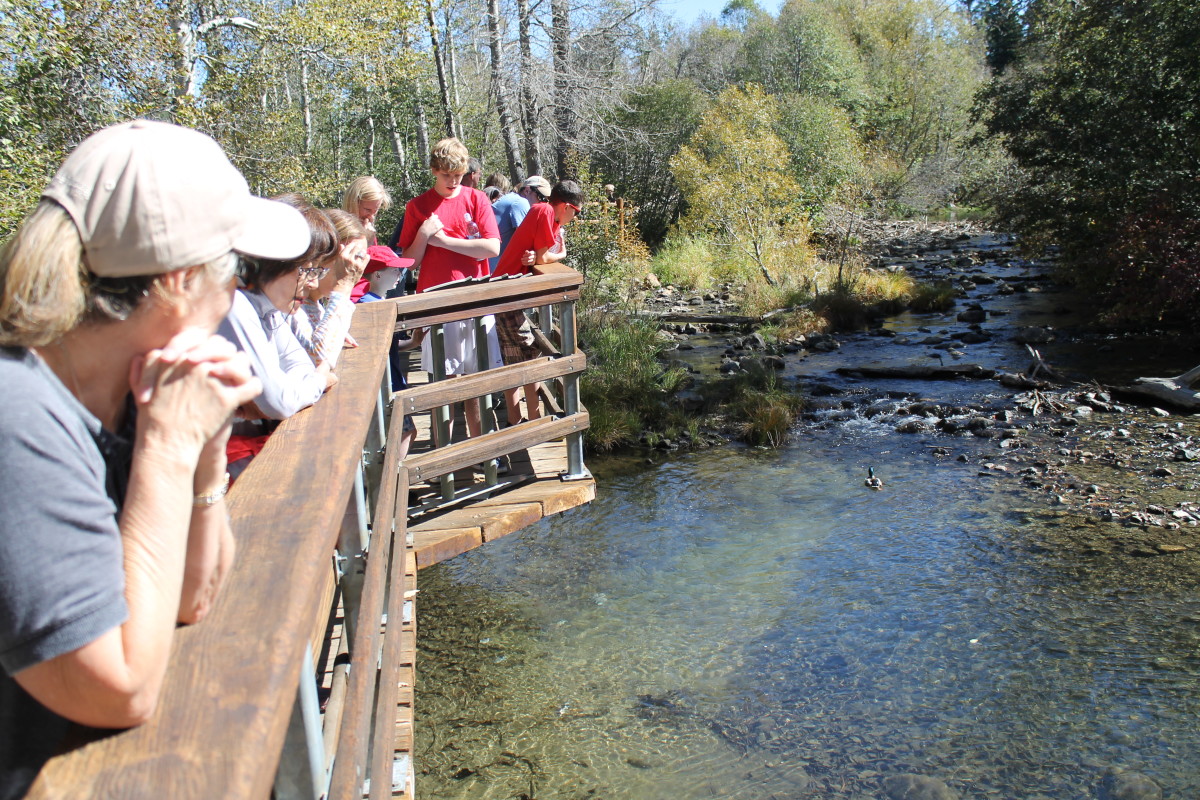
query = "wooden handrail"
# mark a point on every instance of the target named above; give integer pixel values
(464, 302)
(231, 689)
(231, 685)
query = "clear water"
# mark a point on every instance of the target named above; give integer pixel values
(748, 624)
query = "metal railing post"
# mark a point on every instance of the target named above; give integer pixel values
(483, 362)
(575, 468)
(441, 416)
(352, 546)
(301, 774)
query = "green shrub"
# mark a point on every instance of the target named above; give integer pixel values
(625, 388)
(686, 262)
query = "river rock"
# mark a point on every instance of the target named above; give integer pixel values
(973, 313)
(1128, 786)
(1032, 334)
(921, 787)
(973, 337)
(824, 344)
(729, 365)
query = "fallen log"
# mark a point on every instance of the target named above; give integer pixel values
(1162, 391)
(918, 372)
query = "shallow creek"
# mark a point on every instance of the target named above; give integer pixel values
(737, 623)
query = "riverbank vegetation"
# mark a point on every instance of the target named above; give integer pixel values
(741, 154)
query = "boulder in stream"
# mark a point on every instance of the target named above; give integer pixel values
(917, 787)
(1128, 785)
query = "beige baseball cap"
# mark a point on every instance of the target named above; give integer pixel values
(150, 197)
(538, 183)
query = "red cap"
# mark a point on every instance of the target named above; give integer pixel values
(383, 257)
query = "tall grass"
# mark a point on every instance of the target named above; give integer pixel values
(625, 387)
(758, 405)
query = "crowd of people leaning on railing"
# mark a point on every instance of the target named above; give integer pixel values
(156, 321)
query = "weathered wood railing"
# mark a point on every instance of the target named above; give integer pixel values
(239, 715)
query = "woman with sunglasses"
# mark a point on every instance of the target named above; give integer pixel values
(259, 324)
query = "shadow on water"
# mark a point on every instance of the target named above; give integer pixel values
(756, 625)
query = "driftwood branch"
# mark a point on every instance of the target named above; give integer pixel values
(1178, 391)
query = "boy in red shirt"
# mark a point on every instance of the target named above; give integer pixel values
(450, 231)
(538, 240)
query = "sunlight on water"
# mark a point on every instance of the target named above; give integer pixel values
(741, 624)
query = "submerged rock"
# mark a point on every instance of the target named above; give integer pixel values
(1128, 786)
(918, 787)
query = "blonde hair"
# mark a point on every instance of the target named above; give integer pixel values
(347, 225)
(47, 290)
(500, 181)
(366, 188)
(449, 155)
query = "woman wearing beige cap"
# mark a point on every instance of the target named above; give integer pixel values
(117, 402)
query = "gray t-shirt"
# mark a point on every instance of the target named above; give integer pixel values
(62, 577)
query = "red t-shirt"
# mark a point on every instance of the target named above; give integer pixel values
(538, 230)
(439, 264)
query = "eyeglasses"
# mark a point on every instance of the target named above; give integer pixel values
(308, 273)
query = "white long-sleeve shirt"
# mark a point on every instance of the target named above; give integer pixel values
(289, 377)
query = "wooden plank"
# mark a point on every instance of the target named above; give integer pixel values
(494, 521)
(431, 395)
(324, 623)
(555, 496)
(476, 450)
(362, 695)
(232, 680)
(395, 646)
(436, 547)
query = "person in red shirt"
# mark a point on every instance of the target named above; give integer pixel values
(450, 231)
(538, 240)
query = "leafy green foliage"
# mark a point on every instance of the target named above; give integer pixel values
(803, 52)
(625, 388)
(825, 153)
(1101, 116)
(644, 132)
(735, 176)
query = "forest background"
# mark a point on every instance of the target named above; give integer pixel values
(746, 147)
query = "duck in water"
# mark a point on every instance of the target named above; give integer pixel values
(872, 482)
